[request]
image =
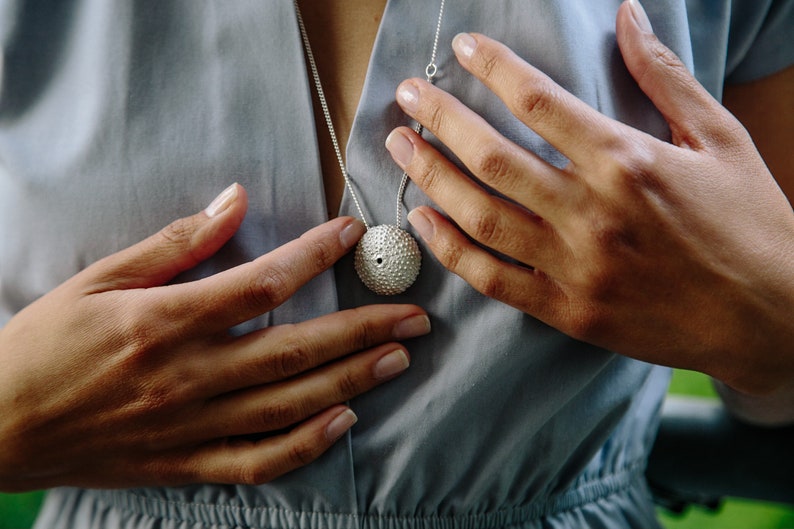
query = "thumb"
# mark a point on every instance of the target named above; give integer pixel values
(178, 247)
(696, 119)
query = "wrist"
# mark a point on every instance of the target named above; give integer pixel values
(772, 409)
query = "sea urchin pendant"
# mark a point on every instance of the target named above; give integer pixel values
(387, 259)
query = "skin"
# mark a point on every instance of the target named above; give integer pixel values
(675, 253)
(139, 383)
(150, 388)
(341, 33)
(764, 108)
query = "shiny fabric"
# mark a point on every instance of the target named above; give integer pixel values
(117, 117)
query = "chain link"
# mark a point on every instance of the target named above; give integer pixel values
(430, 72)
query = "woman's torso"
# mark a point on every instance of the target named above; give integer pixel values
(116, 118)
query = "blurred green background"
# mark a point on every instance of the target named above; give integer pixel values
(733, 513)
(17, 511)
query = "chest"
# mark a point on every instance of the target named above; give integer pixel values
(341, 33)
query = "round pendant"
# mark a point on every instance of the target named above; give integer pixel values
(387, 260)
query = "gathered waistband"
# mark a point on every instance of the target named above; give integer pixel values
(275, 517)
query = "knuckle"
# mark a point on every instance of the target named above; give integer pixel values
(492, 164)
(625, 173)
(484, 224)
(271, 288)
(249, 475)
(348, 385)
(534, 101)
(728, 132)
(294, 453)
(489, 282)
(621, 240)
(362, 333)
(140, 338)
(596, 283)
(485, 63)
(155, 399)
(295, 356)
(167, 392)
(302, 452)
(159, 470)
(280, 413)
(428, 175)
(660, 62)
(663, 57)
(630, 166)
(321, 254)
(434, 116)
(450, 255)
(613, 239)
(179, 232)
(600, 286)
(252, 474)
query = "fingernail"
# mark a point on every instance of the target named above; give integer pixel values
(411, 327)
(640, 16)
(422, 224)
(351, 233)
(222, 201)
(391, 365)
(464, 45)
(408, 96)
(341, 424)
(400, 147)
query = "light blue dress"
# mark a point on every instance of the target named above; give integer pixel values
(118, 117)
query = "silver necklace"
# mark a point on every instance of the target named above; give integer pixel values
(387, 257)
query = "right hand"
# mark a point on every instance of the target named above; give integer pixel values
(115, 379)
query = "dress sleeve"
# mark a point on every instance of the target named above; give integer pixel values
(761, 39)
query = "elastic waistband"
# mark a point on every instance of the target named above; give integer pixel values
(275, 517)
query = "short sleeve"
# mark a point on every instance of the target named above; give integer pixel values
(761, 39)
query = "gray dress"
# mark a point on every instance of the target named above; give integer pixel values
(118, 117)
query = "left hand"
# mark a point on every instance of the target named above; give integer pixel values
(680, 254)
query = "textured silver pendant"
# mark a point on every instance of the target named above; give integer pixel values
(387, 259)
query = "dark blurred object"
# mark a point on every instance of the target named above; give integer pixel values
(702, 454)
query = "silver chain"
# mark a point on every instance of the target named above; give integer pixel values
(430, 73)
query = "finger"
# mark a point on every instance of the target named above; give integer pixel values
(276, 406)
(277, 353)
(178, 247)
(566, 122)
(246, 291)
(498, 162)
(490, 220)
(695, 118)
(529, 290)
(240, 461)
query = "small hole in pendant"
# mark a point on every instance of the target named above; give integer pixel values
(379, 260)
